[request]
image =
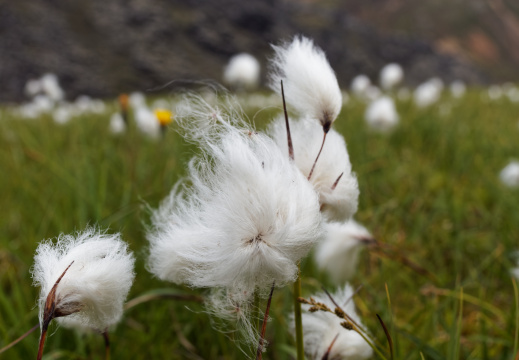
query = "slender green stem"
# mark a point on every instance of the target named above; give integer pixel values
(516, 333)
(298, 317)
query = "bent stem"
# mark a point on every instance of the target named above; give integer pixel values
(297, 316)
(289, 136)
(317, 158)
(42, 342)
(329, 350)
(259, 353)
(8, 346)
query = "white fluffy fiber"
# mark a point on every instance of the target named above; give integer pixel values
(338, 253)
(458, 89)
(117, 125)
(428, 93)
(391, 75)
(249, 216)
(147, 122)
(360, 84)
(320, 328)
(381, 114)
(309, 81)
(98, 280)
(242, 71)
(339, 203)
(510, 174)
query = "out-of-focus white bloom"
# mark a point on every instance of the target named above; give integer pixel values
(381, 114)
(50, 86)
(338, 253)
(372, 93)
(147, 122)
(28, 111)
(137, 100)
(513, 94)
(83, 104)
(93, 289)
(249, 217)
(33, 87)
(458, 89)
(309, 81)
(97, 106)
(360, 85)
(242, 71)
(391, 75)
(320, 329)
(117, 125)
(510, 174)
(43, 103)
(339, 203)
(495, 92)
(428, 93)
(62, 114)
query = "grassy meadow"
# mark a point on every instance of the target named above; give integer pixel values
(430, 192)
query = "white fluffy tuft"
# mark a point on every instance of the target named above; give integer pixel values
(338, 253)
(249, 216)
(510, 174)
(242, 71)
(320, 328)
(391, 75)
(381, 114)
(339, 203)
(97, 282)
(428, 93)
(117, 125)
(309, 81)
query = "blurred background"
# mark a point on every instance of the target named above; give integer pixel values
(105, 47)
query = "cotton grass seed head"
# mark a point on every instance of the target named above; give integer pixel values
(338, 253)
(510, 174)
(320, 328)
(338, 200)
(381, 115)
(310, 83)
(242, 72)
(246, 221)
(391, 75)
(94, 287)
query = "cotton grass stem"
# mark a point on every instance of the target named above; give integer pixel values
(327, 353)
(289, 136)
(8, 346)
(318, 154)
(516, 334)
(107, 345)
(259, 353)
(298, 317)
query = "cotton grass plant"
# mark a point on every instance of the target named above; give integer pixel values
(83, 279)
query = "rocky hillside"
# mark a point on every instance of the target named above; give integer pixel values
(103, 47)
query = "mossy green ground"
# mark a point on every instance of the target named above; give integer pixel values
(430, 190)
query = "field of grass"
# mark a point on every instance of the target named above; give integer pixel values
(430, 190)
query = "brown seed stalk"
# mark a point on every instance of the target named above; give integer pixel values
(289, 136)
(259, 353)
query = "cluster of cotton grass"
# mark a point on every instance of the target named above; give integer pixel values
(84, 280)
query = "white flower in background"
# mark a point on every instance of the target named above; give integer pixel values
(428, 93)
(28, 111)
(97, 106)
(43, 103)
(242, 72)
(247, 220)
(137, 100)
(147, 122)
(309, 82)
(510, 174)
(117, 124)
(320, 329)
(391, 75)
(458, 89)
(495, 92)
(33, 87)
(50, 86)
(381, 114)
(338, 253)
(372, 93)
(338, 199)
(360, 85)
(345, 98)
(62, 114)
(94, 287)
(513, 94)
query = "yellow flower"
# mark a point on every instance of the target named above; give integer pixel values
(164, 117)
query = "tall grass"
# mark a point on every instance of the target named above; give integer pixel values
(430, 190)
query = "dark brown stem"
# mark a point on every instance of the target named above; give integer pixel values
(42, 342)
(289, 136)
(388, 336)
(259, 353)
(337, 181)
(327, 353)
(107, 345)
(8, 346)
(317, 158)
